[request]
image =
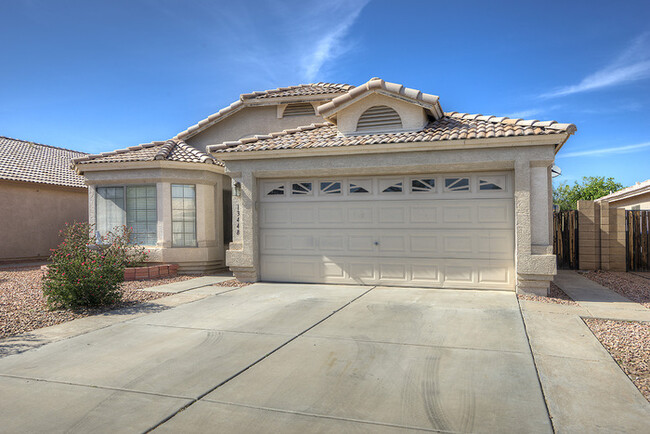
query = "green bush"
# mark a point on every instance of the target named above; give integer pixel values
(84, 273)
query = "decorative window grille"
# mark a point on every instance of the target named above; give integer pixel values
(379, 118)
(391, 185)
(330, 187)
(183, 215)
(141, 214)
(424, 185)
(301, 188)
(138, 210)
(360, 186)
(495, 183)
(299, 109)
(276, 189)
(456, 184)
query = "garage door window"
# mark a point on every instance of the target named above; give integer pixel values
(390, 185)
(456, 184)
(423, 185)
(301, 188)
(274, 189)
(360, 186)
(330, 187)
(494, 183)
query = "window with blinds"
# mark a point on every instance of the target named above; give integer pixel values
(183, 215)
(379, 118)
(133, 205)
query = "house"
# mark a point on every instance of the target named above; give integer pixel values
(636, 197)
(39, 194)
(373, 184)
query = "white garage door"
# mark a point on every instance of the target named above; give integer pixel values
(446, 230)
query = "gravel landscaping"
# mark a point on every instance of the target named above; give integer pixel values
(632, 286)
(23, 308)
(556, 296)
(629, 344)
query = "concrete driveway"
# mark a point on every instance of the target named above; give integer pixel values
(289, 358)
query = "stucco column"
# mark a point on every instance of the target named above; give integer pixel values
(92, 214)
(535, 267)
(242, 257)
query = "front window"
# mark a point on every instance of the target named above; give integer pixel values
(183, 215)
(133, 205)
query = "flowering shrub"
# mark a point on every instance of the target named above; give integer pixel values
(83, 273)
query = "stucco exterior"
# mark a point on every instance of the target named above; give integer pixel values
(32, 215)
(530, 162)
(248, 122)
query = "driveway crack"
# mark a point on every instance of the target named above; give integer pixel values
(279, 347)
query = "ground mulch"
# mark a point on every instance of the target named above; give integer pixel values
(556, 296)
(629, 344)
(630, 285)
(23, 307)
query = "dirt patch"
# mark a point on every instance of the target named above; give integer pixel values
(231, 284)
(632, 286)
(556, 296)
(23, 307)
(629, 344)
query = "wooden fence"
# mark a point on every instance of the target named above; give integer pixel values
(637, 240)
(565, 239)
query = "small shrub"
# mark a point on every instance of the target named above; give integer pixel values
(83, 273)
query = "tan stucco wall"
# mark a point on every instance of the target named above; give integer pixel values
(32, 214)
(643, 200)
(248, 122)
(208, 255)
(534, 263)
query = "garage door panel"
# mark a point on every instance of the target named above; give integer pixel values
(467, 244)
(439, 214)
(446, 273)
(432, 237)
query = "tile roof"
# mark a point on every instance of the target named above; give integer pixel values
(329, 89)
(453, 126)
(170, 150)
(21, 160)
(624, 193)
(376, 84)
(300, 90)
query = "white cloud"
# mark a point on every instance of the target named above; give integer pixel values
(632, 65)
(530, 113)
(606, 151)
(331, 44)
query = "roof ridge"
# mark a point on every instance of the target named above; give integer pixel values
(256, 93)
(89, 157)
(42, 144)
(554, 125)
(259, 137)
(203, 156)
(165, 150)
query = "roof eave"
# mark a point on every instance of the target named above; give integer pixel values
(134, 165)
(440, 145)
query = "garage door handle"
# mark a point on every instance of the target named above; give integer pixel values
(376, 243)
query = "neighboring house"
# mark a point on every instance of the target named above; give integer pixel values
(366, 185)
(39, 194)
(636, 197)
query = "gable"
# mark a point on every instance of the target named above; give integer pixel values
(376, 108)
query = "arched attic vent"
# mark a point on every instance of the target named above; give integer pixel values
(379, 118)
(299, 109)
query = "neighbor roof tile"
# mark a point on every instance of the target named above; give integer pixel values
(21, 160)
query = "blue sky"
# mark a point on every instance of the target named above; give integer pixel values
(97, 76)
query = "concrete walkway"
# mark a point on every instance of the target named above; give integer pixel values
(599, 301)
(200, 287)
(585, 389)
